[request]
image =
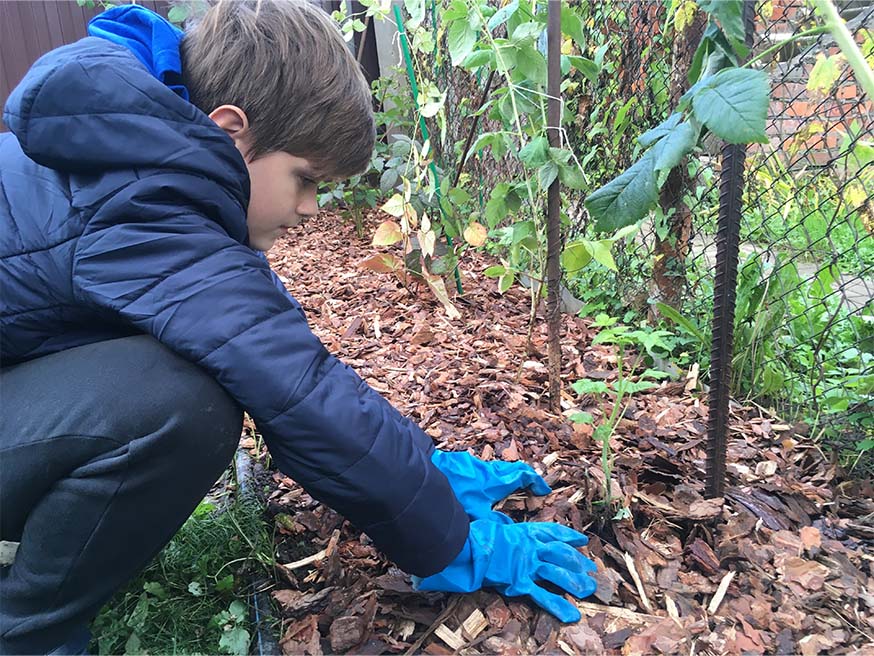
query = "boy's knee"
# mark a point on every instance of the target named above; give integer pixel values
(205, 418)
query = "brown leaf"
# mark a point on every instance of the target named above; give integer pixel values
(382, 263)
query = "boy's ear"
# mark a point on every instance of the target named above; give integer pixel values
(235, 123)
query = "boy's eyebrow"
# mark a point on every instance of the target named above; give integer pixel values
(311, 173)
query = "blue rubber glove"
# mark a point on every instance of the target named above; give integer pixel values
(512, 558)
(479, 484)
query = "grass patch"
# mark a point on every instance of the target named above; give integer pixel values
(191, 598)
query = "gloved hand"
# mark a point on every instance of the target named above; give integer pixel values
(479, 484)
(512, 558)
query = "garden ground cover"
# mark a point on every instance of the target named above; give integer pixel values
(784, 563)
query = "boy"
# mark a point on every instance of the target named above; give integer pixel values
(145, 173)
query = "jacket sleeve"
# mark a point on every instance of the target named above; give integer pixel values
(150, 256)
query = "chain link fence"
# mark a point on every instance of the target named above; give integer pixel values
(804, 336)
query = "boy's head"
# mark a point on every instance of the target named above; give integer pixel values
(278, 78)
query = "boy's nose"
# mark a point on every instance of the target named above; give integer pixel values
(309, 205)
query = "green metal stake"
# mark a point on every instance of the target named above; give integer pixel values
(408, 60)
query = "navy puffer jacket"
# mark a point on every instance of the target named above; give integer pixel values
(122, 211)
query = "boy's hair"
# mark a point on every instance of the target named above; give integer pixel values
(285, 63)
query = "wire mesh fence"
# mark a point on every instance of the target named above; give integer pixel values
(804, 327)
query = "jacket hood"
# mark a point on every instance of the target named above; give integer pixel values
(94, 106)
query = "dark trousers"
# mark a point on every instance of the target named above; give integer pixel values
(105, 450)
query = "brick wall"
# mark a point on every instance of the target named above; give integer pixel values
(809, 127)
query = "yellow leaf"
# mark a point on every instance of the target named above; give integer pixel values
(765, 9)
(387, 233)
(685, 14)
(427, 242)
(475, 234)
(394, 206)
(855, 195)
(825, 73)
(439, 290)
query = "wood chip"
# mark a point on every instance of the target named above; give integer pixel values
(589, 609)
(720, 593)
(309, 560)
(450, 637)
(629, 562)
(475, 624)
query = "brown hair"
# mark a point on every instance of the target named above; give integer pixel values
(284, 63)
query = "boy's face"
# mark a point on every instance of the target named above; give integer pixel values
(283, 187)
(283, 194)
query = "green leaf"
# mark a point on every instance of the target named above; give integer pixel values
(619, 121)
(238, 609)
(626, 199)
(571, 176)
(195, 588)
(649, 137)
(178, 14)
(235, 642)
(495, 271)
(132, 646)
(576, 256)
(582, 418)
(572, 25)
(631, 387)
(523, 230)
(585, 66)
(500, 17)
(506, 281)
(547, 174)
(505, 55)
(461, 40)
(526, 33)
(458, 196)
(157, 590)
(599, 54)
(733, 104)
(225, 584)
(531, 64)
(588, 386)
(485, 140)
(535, 153)
(496, 208)
(456, 11)
(729, 13)
(686, 324)
(478, 58)
(416, 10)
(601, 253)
(673, 147)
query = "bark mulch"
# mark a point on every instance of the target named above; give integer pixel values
(783, 564)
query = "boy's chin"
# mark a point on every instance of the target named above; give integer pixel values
(262, 244)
